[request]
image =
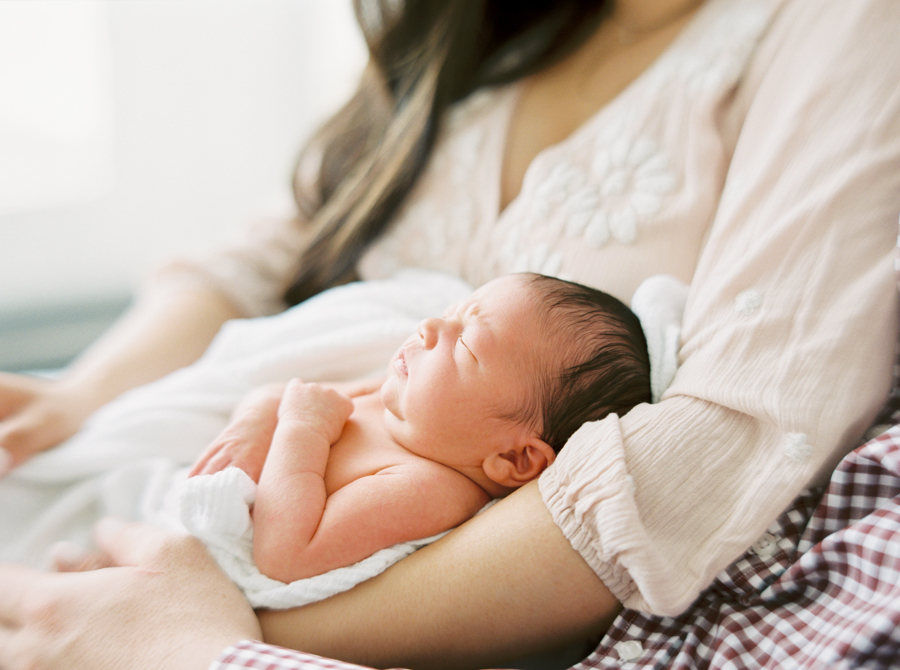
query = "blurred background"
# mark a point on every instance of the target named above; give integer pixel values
(133, 131)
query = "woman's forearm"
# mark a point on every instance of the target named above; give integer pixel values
(162, 332)
(505, 584)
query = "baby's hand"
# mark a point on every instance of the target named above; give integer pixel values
(245, 441)
(323, 410)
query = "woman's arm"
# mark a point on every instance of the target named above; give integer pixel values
(505, 584)
(164, 330)
(790, 328)
(167, 328)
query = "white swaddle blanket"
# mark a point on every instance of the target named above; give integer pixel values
(131, 457)
(216, 509)
(127, 458)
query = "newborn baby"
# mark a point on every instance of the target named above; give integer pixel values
(477, 403)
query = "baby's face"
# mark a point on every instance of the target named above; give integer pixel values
(450, 383)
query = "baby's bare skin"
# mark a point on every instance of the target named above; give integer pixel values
(345, 470)
(365, 448)
(322, 506)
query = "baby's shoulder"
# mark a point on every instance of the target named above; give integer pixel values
(437, 489)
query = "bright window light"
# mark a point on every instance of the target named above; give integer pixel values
(56, 128)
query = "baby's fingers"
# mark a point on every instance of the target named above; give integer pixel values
(201, 465)
(213, 461)
(224, 456)
(216, 463)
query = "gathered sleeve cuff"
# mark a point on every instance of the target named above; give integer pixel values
(661, 500)
(789, 330)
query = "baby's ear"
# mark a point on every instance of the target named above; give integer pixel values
(521, 464)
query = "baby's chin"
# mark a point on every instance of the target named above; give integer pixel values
(384, 393)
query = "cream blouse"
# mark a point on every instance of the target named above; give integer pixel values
(758, 159)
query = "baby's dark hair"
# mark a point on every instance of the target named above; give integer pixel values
(605, 369)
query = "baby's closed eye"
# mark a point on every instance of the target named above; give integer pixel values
(462, 342)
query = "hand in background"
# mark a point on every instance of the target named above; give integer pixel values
(167, 607)
(35, 415)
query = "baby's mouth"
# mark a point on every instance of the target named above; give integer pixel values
(400, 363)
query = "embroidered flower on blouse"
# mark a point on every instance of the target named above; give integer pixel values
(627, 184)
(624, 186)
(634, 176)
(747, 302)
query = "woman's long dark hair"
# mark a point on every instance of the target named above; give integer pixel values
(423, 56)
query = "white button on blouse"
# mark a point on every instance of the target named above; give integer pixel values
(629, 650)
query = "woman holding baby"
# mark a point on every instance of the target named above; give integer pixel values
(750, 148)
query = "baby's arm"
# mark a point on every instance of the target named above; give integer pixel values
(244, 443)
(300, 531)
(291, 496)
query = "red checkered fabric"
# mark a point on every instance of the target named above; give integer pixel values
(259, 656)
(821, 589)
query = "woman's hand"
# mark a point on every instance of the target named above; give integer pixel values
(169, 607)
(245, 441)
(35, 415)
(163, 331)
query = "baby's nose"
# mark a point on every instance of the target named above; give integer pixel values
(429, 331)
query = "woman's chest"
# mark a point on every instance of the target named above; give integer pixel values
(556, 102)
(607, 207)
(631, 192)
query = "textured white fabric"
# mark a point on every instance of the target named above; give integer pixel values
(216, 509)
(659, 304)
(130, 456)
